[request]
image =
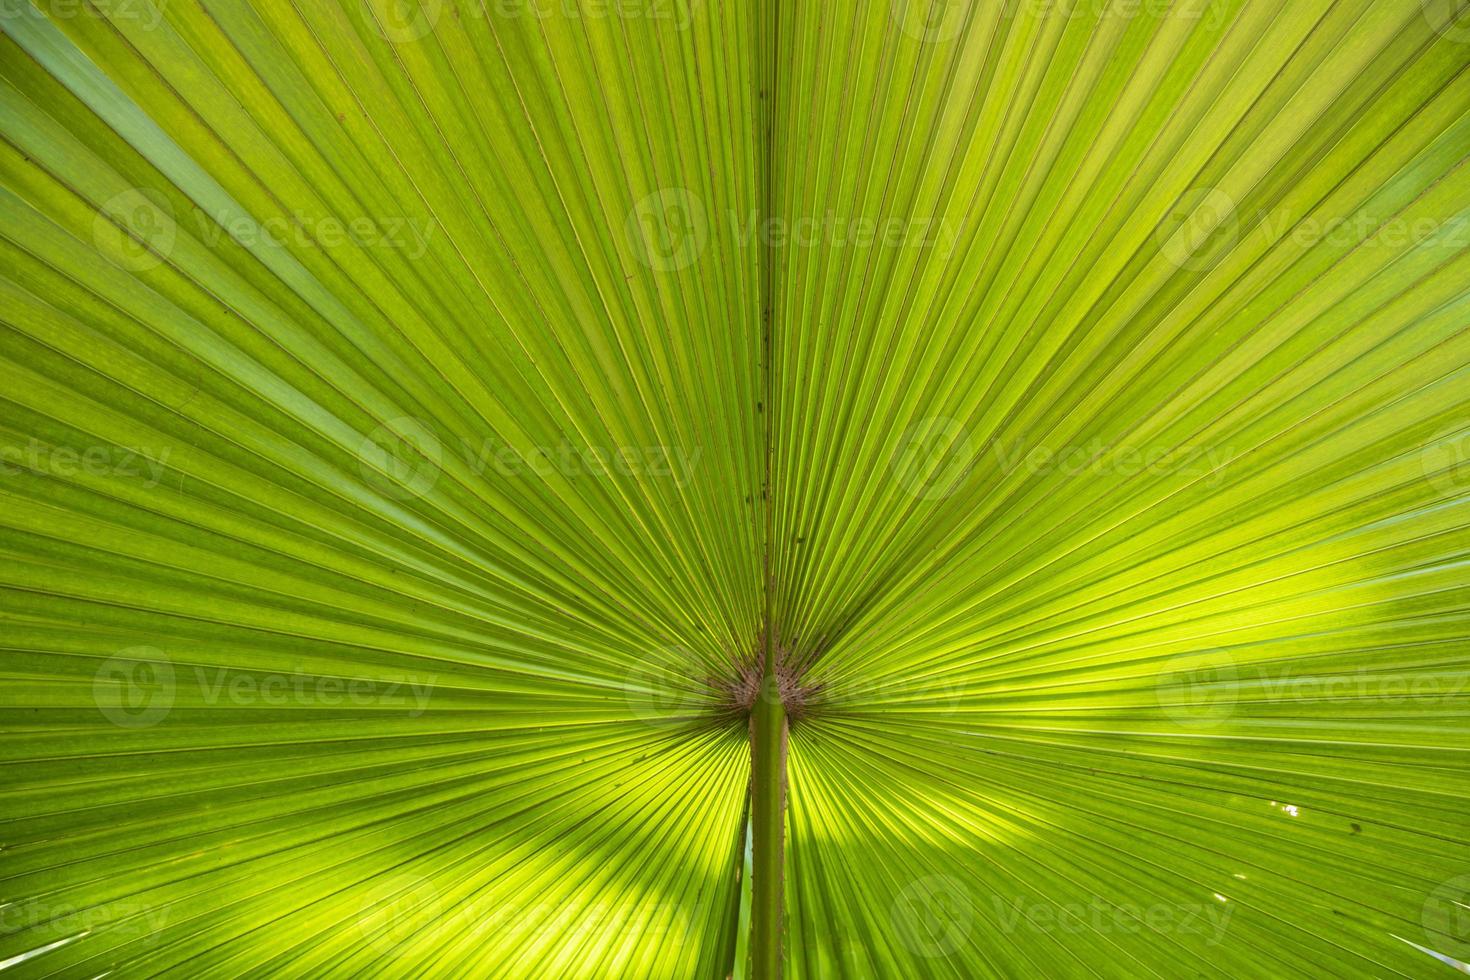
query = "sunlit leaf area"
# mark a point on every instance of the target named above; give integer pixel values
(734, 489)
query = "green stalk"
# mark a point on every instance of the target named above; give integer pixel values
(768, 826)
(768, 717)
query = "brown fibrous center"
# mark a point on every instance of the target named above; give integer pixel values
(741, 689)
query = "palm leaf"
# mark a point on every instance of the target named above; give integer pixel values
(427, 426)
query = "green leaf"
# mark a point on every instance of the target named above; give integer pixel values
(427, 428)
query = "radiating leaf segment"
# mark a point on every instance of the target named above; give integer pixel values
(441, 442)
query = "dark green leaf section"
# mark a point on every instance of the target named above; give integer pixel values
(380, 511)
(387, 536)
(1122, 453)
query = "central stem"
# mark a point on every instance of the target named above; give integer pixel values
(768, 824)
(768, 716)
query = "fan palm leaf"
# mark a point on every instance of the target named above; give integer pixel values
(677, 488)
